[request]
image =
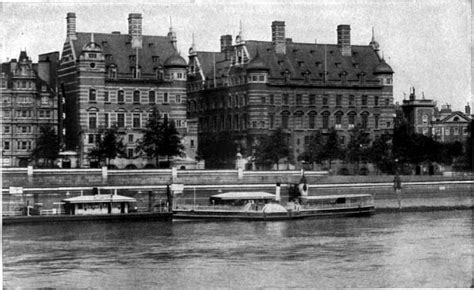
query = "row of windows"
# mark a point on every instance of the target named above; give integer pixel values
(120, 120)
(20, 145)
(286, 100)
(159, 73)
(455, 131)
(27, 100)
(237, 122)
(136, 97)
(42, 114)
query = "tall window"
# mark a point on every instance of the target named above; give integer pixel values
(339, 100)
(338, 120)
(351, 100)
(92, 95)
(93, 120)
(284, 119)
(299, 100)
(325, 100)
(299, 120)
(364, 100)
(271, 121)
(136, 120)
(272, 100)
(178, 99)
(365, 118)
(165, 98)
(151, 97)
(325, 120)
(376, 101)
(106, 120)
(106, 97)
(376, 121)
(121, 120)
(285, 99)
(120, 97)
(312, 120)
(136, 97)
(312, 100)
(351, 117)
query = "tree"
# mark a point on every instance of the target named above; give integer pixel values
(160, 138)
(218, 149)
(332, 148)
(108, 145)
(47, 146)
(357, 148)
(315, 149)
(170, 143)
(272, 148)
(151, 140)
(380, 153)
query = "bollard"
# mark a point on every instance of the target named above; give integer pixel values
(174, 173)
(30, 173)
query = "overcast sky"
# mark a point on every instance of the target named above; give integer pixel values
(427, 43)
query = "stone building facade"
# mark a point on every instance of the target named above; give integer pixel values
(114, 78)
(251, 88)
(29, 101)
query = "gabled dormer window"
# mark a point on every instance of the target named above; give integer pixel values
(112, 72)
(136, 72)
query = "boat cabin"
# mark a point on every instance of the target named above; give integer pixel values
(337, 200)
(97, 204)
(236, 198)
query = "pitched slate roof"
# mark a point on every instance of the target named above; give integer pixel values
(118, 46)
(302, 58)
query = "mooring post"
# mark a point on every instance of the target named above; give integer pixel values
(104, 173)
(30, 173)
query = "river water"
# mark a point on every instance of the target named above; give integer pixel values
(428, 249)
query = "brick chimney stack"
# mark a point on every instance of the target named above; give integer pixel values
(71, 26)
(344, 39)
(467, 109)
(278, 37)
(226, 45)
(135, 29)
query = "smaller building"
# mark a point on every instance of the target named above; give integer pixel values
(29, 101)
(97, 204)
(444, 125)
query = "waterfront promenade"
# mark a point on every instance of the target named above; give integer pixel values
(48, 187)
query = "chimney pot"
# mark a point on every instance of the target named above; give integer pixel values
(135, 29)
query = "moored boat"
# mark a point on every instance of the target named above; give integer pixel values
(100, 207)
(267, 206)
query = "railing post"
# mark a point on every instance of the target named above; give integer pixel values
(240, 173)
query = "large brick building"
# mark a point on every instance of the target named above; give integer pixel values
(114, 78)
(29, 101)
(252, 87)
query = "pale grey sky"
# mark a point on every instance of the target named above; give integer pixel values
(427, 43)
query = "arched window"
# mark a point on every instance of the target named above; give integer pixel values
(364, 119)
(351, 119)
(325, 115)
(338, 116)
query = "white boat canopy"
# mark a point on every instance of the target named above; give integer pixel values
(99, 198)
(250, 195)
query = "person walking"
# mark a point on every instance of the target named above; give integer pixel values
(397, 186)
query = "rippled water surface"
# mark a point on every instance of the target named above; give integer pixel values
(386, 250)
